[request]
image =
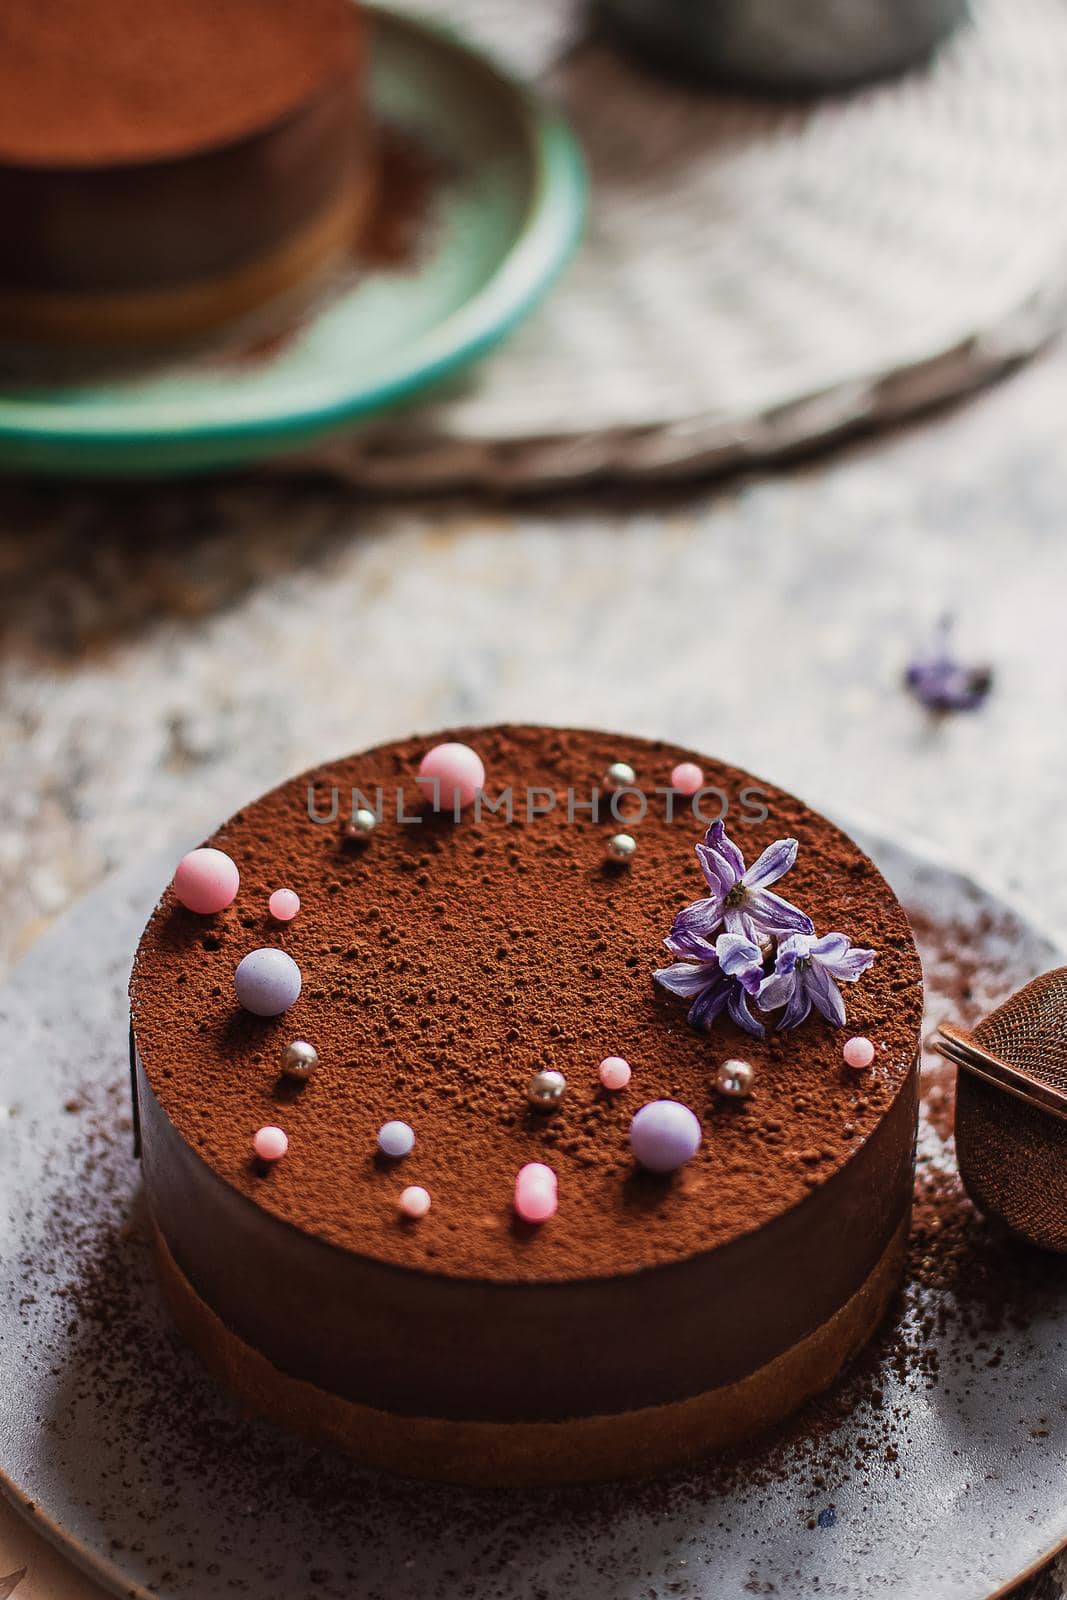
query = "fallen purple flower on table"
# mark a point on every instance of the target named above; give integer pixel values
(942, 683)
(740, 900)
(721, 981)
(806, 973)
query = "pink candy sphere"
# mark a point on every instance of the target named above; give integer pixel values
(414, 1202)
(283, 905)
(451, 775)
(687, 777)
(206, 881)
(858, 1052)
(270, 1144)
(614, 1072)
(536, 1192)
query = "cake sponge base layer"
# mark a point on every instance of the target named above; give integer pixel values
(528, 1454)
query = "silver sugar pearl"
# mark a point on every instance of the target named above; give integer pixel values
(299, 1060)
(361, 825)
(735, 1079)
(546, 1089)
(621, 847)
(620, 775)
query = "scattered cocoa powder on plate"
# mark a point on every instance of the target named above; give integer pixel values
(111, 1346)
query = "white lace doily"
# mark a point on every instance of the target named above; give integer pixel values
(759, 276)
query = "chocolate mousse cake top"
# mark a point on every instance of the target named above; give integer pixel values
(445, 962)
(94, 82)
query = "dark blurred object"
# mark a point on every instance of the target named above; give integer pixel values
(784, 46)
(1011, 1110)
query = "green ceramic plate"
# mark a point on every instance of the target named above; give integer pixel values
(500, 223)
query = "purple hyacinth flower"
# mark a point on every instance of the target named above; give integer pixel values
(740, 901)
(806, 973)
(942, 683)
(722, 981)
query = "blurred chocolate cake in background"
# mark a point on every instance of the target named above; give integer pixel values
(166, 165)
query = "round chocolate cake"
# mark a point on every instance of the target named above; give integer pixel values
(414, 1210)
(167, 164)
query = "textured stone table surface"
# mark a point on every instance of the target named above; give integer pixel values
(167, 651)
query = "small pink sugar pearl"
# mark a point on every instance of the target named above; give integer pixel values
(283, 905)
(414, 1202)
(451, 775)
(614, 1072)
(536, 1192)
(858, 1052)
(206, 881)
(270, 1144)
(687, 777)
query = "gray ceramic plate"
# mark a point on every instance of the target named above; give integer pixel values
(125, 1454)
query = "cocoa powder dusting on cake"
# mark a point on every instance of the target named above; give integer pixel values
(87, 82)
(966, 1283)
(443, 964)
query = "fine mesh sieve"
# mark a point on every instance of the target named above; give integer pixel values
(1011, 1109)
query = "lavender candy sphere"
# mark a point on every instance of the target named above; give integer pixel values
(267, 982)
(664, 1135)
(396, 1139)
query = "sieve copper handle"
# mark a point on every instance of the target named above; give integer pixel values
(960, 1047)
